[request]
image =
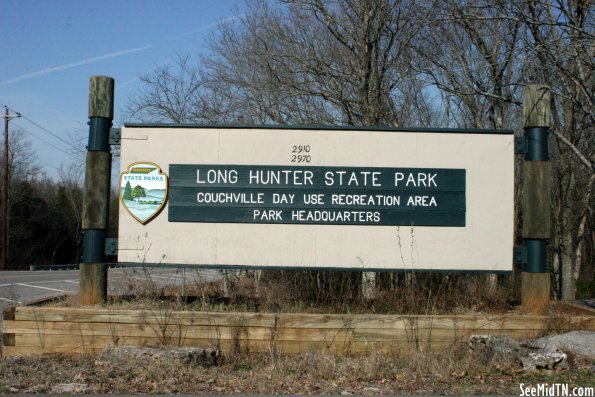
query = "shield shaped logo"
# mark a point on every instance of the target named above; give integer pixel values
(143, 190)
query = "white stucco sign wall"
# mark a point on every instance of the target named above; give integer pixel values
(319, 198)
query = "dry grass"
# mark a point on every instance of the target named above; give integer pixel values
(450, 372)
(454, 371)
(322, 292)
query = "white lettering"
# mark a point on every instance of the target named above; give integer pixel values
(314, 199)
(217, 176)
(421, 179)
(328, 178)
(431, 180)
(399, 176)
(283, 198)
(375, 176)
(421, 201)
(352, 178)
(341, 173)
(281, 177)
(268, 215)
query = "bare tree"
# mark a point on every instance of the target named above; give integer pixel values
(478, 54)
(22, 160)
(471, 54)
(299, 62)
(319, 62)
(171, 93)
(70, 198)
(561, 41)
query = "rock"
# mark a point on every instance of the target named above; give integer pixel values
(183, 355)
(502, 344)
(70, 388)
(536, 361)
(548, 353)
(580, 344)
(36, 389)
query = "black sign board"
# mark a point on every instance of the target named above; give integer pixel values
(317, 195)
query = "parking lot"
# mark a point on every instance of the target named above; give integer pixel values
(22, 287)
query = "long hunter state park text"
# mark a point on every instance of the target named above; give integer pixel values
(317, 195)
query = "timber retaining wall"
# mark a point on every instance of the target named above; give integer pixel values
(39, 330)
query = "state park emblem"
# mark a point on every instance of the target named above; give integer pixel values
(143, 190)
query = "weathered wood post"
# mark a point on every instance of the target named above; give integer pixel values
(93, 274)
(535, 290)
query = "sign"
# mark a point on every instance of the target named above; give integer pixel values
(143, 190)
(317, 195)
(324, 198)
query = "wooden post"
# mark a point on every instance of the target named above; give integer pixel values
(535, 290)
(93, 274)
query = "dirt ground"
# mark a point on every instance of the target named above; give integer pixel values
(453, 372)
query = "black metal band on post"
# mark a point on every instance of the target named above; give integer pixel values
(99, 128)
(536, 256)
(94, 239)
(94, 246)
(537, 150)
(537, 147)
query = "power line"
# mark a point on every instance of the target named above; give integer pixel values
(51, 133)
(41, 139)
(48, 132)
(48, 164)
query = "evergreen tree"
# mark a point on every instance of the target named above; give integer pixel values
(127, 191)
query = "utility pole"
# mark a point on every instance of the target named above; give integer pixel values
(4, 203)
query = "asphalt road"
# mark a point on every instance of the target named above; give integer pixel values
(21, 287)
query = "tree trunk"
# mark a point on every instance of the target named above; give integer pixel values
(368, 285)
(568, 281)
(492, 281)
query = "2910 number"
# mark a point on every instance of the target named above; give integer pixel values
(301, 149)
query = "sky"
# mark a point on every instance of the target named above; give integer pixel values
(50, 49)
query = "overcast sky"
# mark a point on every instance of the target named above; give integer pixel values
(50, 48)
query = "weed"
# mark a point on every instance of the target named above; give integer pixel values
(318, 292)
(242, 366)
(40, 326)
(561, 320)
(113, 329)
(239, 334)
(130, 376)
(167, 330)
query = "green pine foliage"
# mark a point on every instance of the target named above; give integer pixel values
(127, 195)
